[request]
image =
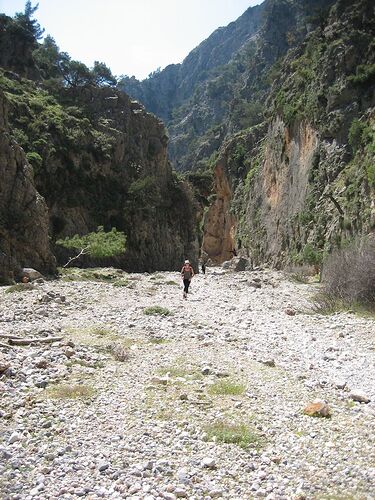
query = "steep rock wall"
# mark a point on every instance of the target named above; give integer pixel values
(299, 190)
(24, 240)
(119, 176)
(219, 223)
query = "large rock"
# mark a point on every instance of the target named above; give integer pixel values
(23, 212)
(237, 264)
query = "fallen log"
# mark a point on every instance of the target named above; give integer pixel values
(41, 340)
(4, 345)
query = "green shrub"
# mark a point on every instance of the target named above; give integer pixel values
(157, 311)
(239, 434)
(364, 73)
(34, 159)
(227, 388)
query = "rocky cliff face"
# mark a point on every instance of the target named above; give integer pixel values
(98, 159)
(303, 182)
(101, 160)
(24, 219)
(221, 86)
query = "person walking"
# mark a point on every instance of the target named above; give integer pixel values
(187, 273)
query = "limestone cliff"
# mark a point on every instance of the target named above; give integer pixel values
(303, 182)
(23, 212)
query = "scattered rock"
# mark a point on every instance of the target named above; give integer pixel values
(4, 364)
(290, 312)
(318, 408)
(160, 380)
(359, 396)
(102, 466)
(208, 463)
(268, 362)
(206, 370)
(14, 438)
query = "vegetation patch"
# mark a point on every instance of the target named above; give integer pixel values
(97, 335)
(20, 287)
(157, 311)
(238, 434)
(106, 275)
(179, 371)
(227, 387)
(349, 278)
(123, 283)
(65, 391)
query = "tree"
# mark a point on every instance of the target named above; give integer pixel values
(31, 27)
(47, 57)
(98, 244)
(102, 75)
(74, 73)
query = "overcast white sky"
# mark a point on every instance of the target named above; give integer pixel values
(133, 37)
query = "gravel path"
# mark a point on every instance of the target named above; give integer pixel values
(130, 405)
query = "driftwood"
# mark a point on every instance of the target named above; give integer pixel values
(8, 336)
(41, 340)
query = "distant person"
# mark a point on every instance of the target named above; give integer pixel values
(203, 268)
(187, 273)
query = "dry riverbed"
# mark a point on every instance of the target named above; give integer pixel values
(149, 396)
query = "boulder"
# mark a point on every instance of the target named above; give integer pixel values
(237, 264)
(31, 273)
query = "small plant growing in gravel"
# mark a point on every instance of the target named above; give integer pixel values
(119, 352)
(159, 340)
(239, 434)
(101, 331)
(65, 391)
(157, 311)
(227, 388)
(178, 371)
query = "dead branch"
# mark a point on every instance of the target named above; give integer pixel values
(82, 252)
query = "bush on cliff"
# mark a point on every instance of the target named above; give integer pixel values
(98, 244)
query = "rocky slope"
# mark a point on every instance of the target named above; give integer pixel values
(129, 405)
(23, 212)
(220, 86)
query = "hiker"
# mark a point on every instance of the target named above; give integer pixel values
(187, 272)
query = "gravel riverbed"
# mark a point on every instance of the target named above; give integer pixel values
(145, 406)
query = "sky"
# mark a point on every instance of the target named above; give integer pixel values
(132, 37)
